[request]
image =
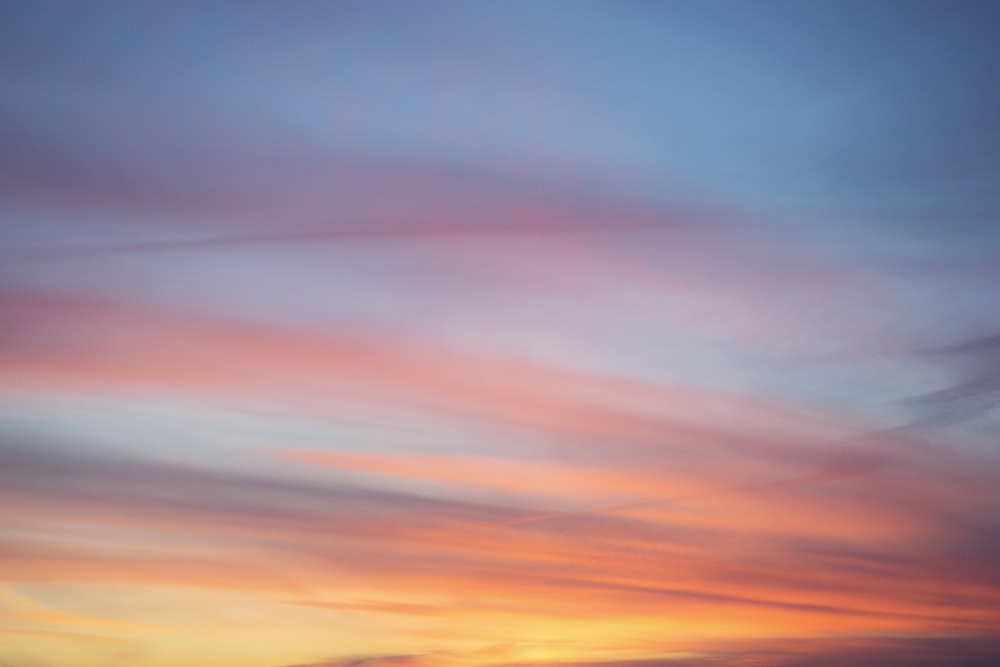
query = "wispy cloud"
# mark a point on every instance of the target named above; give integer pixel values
(499, 334)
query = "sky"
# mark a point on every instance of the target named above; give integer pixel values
(563, 333)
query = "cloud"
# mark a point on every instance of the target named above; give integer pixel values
(253, 191)
(531, 405)
(974, 366)
(670, 502)
(66, 344)
(487, 654)
(160, 491)
(906, 651)
(891, 538)
(376, 661)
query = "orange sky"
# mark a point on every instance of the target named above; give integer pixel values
(647, 522)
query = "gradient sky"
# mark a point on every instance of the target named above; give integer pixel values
(482, 334)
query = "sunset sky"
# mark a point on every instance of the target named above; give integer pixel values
(500, 333)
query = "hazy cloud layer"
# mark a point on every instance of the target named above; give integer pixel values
(499, 334)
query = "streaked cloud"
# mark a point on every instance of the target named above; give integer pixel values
(498, 334)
